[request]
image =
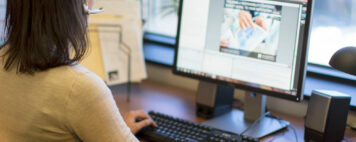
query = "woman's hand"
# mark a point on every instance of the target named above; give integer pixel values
(132, 117)
(245, 20)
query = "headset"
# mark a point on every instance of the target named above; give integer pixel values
(91, 11)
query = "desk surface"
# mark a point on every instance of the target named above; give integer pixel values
(180, 103)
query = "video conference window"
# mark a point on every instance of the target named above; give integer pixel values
(251, 29)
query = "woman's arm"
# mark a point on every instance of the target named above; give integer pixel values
(91, 112)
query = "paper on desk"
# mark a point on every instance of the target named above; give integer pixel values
(114, 58)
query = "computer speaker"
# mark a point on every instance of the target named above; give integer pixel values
(326, 116)
(213, 100)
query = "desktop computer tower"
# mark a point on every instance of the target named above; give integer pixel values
(213, 100)
(326, 116)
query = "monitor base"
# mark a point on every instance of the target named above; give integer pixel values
(214, 101)
(234, 122)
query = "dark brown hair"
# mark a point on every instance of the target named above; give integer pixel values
(41, 34)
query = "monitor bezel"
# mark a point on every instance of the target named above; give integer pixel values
(298, 97)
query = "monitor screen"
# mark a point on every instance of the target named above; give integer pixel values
(256, 45)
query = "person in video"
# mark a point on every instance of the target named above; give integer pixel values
(250, 31)
(46, 95)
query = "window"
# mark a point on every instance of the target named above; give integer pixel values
(333, 27)
(2, 20)
(161, 16)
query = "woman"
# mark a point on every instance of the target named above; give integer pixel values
(44, 94)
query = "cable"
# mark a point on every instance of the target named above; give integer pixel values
(254, 122)
(295, 132)
(289, 126)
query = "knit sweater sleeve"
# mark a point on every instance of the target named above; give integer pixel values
(92, 113)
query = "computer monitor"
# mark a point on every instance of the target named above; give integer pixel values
(269, 57)
(255, 45)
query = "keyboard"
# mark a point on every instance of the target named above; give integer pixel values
(172, 129)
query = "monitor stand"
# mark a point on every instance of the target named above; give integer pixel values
(237, 121)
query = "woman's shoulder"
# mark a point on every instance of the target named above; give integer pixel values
(85, 78)
(80, 78)
(87, 86)
(80, 70)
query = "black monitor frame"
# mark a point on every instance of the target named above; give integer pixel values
(302, 60)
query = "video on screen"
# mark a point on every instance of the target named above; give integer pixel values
(251, 29)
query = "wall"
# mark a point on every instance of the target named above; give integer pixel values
(165, 75)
